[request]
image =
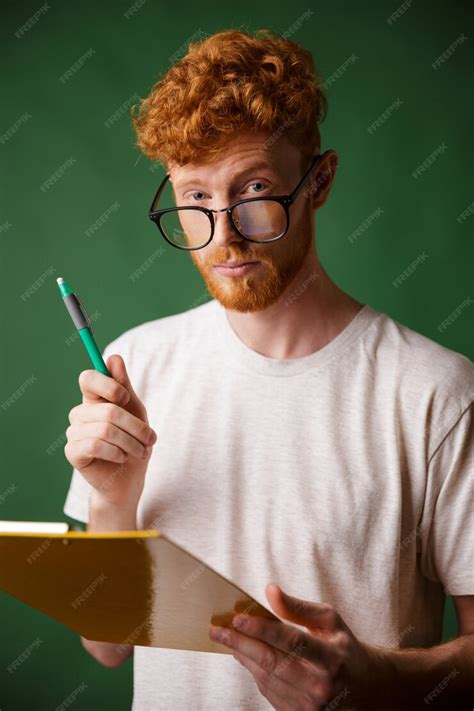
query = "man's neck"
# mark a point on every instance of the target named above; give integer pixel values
(309, 314)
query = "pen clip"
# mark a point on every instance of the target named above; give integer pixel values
(85, 314)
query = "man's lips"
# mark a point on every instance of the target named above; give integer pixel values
(234, 264)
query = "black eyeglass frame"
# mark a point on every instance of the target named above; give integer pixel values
(284, 200)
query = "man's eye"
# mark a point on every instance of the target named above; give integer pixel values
(193, 198)
(191, 195)
(259, 183)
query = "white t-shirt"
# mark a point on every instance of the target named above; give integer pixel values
(345, 476)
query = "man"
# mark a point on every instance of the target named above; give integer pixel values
(303, 438)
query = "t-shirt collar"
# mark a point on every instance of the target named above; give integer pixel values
(257, 362)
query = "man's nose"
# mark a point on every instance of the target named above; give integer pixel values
(224, 232)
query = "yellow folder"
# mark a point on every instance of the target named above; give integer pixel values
(126, 587)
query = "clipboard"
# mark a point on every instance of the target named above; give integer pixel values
(124, 587)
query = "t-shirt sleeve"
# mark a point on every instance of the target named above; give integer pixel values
(447, 526)
(76, 504)
(77, 499)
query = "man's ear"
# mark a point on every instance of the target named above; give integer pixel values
(170, 170)
(321, 179)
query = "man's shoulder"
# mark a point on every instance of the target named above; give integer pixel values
(420, 362)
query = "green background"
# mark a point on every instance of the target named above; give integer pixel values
(43, 231)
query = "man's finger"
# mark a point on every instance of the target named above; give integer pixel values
(273, 687)
(108, 412)
(289, 640)
(118, 371)
(316, 616)
(97, 387)
(280, 667)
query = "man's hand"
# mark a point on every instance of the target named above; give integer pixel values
(295, 669)
(109, 438)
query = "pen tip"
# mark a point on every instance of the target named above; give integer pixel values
(60, 280)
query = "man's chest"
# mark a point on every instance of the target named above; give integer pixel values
(274, 469)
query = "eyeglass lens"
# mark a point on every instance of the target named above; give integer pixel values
(260, 220)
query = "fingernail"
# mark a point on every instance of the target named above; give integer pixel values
(219, 634)
(240, 622)
(152, 437)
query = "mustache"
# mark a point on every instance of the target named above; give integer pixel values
(237, 257)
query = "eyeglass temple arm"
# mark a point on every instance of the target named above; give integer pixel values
(159, 191)
(314, 163)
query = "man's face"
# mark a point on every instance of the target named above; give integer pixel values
(247, 169)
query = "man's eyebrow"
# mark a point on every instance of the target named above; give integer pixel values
(260, 165)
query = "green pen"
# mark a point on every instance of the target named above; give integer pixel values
(83, 324)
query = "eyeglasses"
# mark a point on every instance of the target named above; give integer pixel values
(259, 219)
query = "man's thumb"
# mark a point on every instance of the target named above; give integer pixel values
(313, 615)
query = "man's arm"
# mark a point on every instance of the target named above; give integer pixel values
(464, 605)
(441, 677)
(104, 517)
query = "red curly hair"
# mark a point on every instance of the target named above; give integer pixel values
(230, 83)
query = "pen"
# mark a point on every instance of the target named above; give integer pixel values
(83, 324)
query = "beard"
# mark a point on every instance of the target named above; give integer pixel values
(269, 280)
